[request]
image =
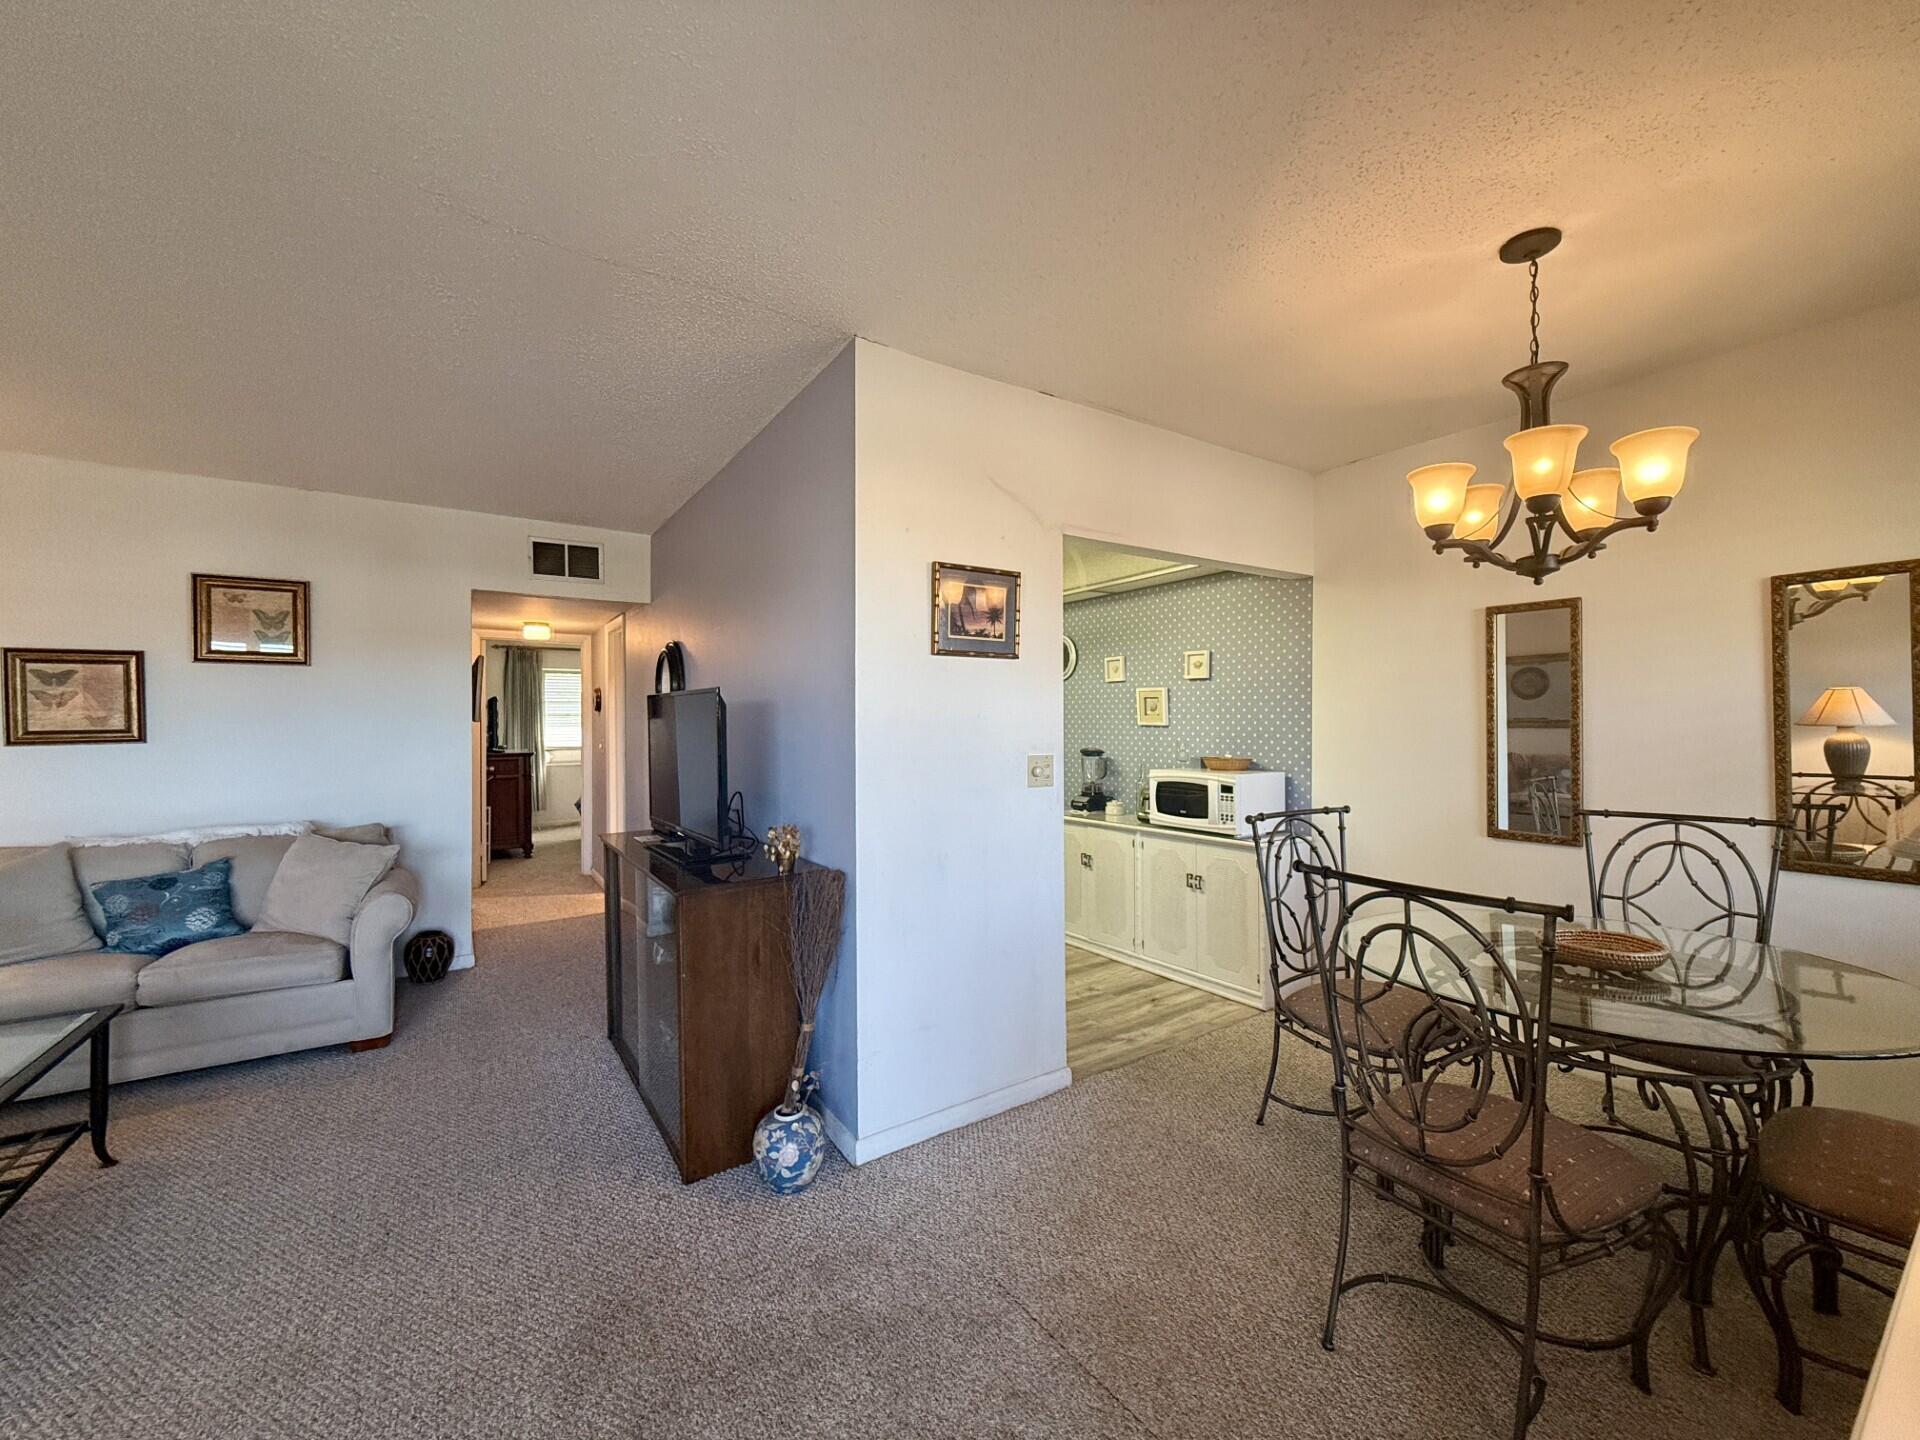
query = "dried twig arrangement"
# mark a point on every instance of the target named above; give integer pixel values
(816, 899)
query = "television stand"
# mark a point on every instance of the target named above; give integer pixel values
(700, 1003)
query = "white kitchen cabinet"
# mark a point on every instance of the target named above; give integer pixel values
(1187, 907)
(1109, 896)
(1169, 928)
(1079, 869)
(1227, 901)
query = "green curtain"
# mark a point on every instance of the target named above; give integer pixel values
(520, 723)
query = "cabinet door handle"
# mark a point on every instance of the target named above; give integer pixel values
(1198, 882)
(1086, 861)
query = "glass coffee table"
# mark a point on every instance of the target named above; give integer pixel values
(28, 1050)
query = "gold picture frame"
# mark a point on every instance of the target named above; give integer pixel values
(75, 697)
(1782, 621)
(246, 620)
(976, 611)
(1497, 682)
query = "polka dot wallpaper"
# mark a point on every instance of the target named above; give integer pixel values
(1259, 702)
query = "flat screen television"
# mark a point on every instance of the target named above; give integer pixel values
(687, 766)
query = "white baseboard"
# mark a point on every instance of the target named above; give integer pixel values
(859, 1149)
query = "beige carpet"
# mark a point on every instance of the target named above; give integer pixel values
(547, 886)
(476, 1232)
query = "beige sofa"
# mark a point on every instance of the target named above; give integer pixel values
(265, 992)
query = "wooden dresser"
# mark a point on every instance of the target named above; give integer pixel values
(700, 1002)
(510, 799)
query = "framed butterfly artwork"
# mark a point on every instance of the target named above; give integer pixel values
(75, 697)
(253, 622)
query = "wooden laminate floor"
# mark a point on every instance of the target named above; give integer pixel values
(1118, 1013)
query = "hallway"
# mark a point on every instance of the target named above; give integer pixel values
(550, 886)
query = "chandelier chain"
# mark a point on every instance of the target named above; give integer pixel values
(1533, 300)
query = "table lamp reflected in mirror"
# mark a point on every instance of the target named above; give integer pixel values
(1846, 707)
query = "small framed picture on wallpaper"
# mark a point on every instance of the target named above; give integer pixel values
(1198, 665)
(76, 697)
(1150, 705)
(1116, 669)
(244, 621)
(976, 611)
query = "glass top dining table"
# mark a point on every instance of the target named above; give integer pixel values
(1713, 992)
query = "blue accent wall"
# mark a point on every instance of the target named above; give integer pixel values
(1259, 702)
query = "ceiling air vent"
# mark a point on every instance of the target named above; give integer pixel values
(562, 560)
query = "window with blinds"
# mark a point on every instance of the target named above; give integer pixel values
(560, 710)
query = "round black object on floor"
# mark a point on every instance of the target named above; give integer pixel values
(428, 955)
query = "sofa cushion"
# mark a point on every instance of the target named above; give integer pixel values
(41, 911)
(57, 984)
(372, 834)
(255, 859)
(240, 965)
(95, 864)
(155, 914)
(320, 884)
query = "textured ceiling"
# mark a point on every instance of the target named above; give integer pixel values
(1093, 567)
(563, 259)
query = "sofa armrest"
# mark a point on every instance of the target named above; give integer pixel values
(382, 918)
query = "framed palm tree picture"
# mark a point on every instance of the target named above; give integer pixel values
(250, 621)
(76, 697)
(976, 611)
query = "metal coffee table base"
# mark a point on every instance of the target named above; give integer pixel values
(28, 1154)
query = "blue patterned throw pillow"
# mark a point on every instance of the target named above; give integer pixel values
(157, 913)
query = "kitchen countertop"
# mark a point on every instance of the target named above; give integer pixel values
(1172, 832)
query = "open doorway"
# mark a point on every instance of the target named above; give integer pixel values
(547, 753)
(1188, 705)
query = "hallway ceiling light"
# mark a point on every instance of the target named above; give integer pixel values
(1457, 515)
(536, 630)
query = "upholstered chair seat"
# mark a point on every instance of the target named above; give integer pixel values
(1595, 1183)
(1389, 1011)
(1859, 1169)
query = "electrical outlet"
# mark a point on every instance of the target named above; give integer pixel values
(1039, 772)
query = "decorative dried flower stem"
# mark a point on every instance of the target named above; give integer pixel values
(816, 901)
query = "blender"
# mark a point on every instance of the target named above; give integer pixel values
(1093, 770)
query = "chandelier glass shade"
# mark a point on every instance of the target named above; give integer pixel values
(1548, 492)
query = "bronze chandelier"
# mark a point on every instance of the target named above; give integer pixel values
(1548, 492)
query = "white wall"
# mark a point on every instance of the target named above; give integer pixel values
(754, 577)
(961, 997)
(376, 728)
(1806, 460)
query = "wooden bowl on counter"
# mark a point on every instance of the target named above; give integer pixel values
(1225, 762)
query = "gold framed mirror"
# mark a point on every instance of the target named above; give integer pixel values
(1533, 722)
(1846, 689)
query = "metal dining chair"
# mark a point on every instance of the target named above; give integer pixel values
(1683, 870)
(1285, 841)
(1691, 872)
(1458, 1132)
(1846, 1186)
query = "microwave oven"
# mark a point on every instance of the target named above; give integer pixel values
(1213, 800)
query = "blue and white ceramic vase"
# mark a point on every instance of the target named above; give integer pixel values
(788, 1145)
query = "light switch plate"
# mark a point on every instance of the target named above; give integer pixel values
(1039, 771)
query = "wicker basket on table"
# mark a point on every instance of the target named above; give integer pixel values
(1608, 949)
